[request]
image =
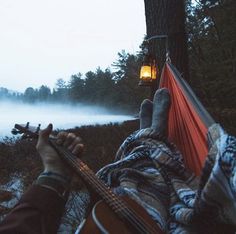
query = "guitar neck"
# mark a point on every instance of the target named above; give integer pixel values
(117, 204)
(87, 175)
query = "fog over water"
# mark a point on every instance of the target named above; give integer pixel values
(61, 116)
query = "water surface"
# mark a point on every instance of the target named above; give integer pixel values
(61, 116)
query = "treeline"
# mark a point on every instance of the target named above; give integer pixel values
(211, 27)
(118, 88)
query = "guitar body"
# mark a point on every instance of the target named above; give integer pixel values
(103, 220)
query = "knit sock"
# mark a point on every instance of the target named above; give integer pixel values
(145, 114)
(161, 106)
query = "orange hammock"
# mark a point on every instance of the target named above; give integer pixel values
(188, 119)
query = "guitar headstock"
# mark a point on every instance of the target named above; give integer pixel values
(26, 130)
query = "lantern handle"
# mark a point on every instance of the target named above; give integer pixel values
(166, 44)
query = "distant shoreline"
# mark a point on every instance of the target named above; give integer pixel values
(11, 136)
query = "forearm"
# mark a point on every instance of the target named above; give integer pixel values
(39, 211)
(41, 207)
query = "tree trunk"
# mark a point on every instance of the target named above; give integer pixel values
(167, 17)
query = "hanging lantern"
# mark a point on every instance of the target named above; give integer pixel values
(148, 71)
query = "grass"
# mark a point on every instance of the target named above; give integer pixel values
(19, 157)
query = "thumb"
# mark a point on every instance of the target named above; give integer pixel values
(44, 134)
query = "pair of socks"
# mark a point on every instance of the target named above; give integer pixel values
(155, 114)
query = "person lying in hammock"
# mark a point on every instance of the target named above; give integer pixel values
(149, 170)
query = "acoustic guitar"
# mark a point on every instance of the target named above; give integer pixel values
(112, 214)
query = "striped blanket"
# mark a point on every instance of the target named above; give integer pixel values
(150, 170)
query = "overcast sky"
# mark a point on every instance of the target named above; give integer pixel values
(44, 40)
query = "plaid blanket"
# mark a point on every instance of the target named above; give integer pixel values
(150, 170)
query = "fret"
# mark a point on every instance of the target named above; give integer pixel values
(119, 206)
(88, 175)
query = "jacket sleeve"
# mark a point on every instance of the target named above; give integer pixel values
(38, 211)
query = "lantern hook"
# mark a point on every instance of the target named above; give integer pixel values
(166, 44)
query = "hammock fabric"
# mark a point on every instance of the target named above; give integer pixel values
(188, 119)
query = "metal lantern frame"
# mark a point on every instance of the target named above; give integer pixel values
(148, 71)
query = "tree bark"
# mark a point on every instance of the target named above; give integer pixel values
(167, 17)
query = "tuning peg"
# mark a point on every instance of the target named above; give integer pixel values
(27, 125)
(38, 129)
(14, 131)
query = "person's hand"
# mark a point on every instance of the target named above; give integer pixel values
(51, 160)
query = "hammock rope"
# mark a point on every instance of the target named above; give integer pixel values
(188, 119)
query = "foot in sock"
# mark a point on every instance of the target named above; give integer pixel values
(145, 114)
(161, 106)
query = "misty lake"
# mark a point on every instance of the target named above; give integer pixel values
(61, 116)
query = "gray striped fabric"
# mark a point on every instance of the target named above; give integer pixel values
(151, 171)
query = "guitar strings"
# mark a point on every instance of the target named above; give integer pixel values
(107, 193)
(118, 203)
(78, 165)
(104, 190)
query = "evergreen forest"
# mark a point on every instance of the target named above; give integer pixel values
(211, 30)
(211, 41)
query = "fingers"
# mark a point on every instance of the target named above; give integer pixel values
(61, 137)
(78, 149)
(43, 137)
(44, 134)
(71, 142)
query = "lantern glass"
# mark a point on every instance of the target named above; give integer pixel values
(146, 72)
